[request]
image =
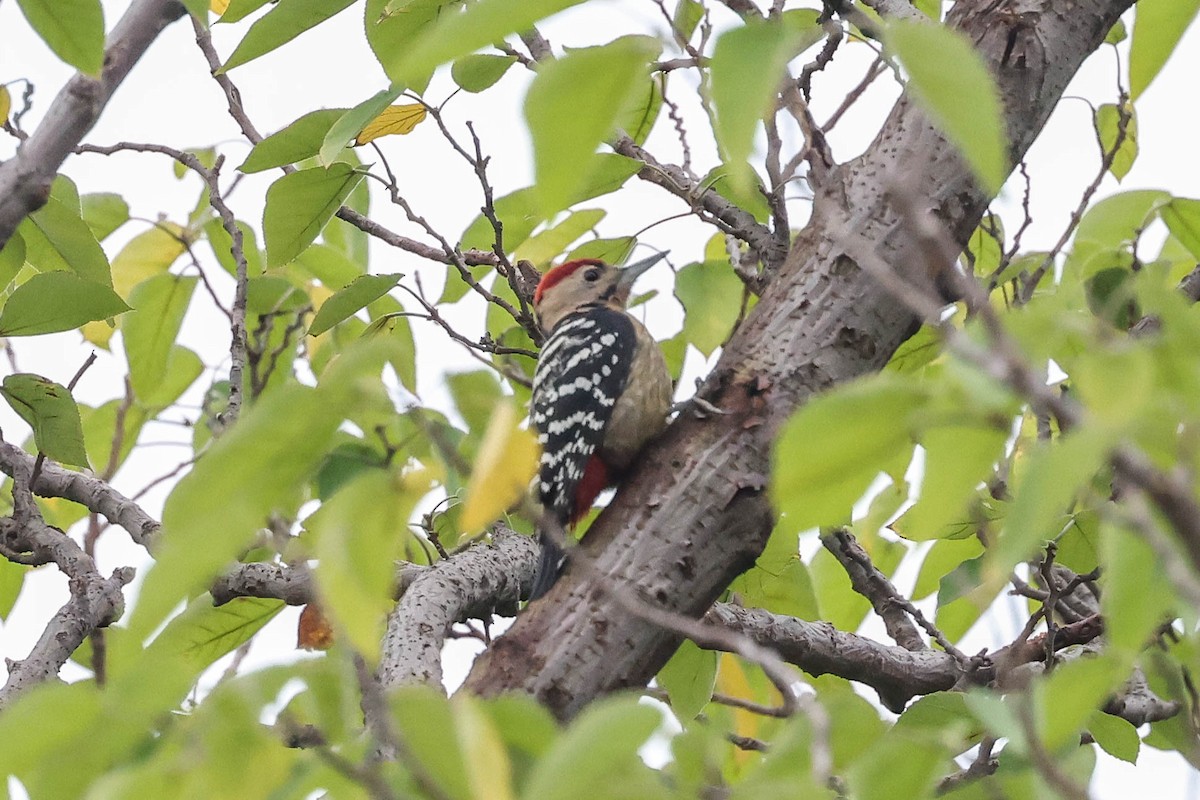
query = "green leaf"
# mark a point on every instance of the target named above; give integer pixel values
(1157, 28)
(344, 130)
(392, 34)
(475, 396)
(747, 65)
(544, 247)
(832, 448)
(12, 258)
(211, 514)
(222, 247)
(300, 204)
(345, 302)
(712, 299)
(949, 80)
(57, 238)
(1116, 736)
(150, 330)
(12, 578)
(1110, 226)
(358, 539)
(1052, 475)
(1182, 217)
(240, 9)
(957, 459)
(688, 678)
(204, 633)
(50, 410)
(1108, 127)
(565, 131)
(73, 29)
(57, 301)
(104, 212)
(1071, 694)
(603, 741)
(280, 25)
(300, 140)
(475, 73)
(1130, 626)
(452, 34)
(780, 581)
(424, 715)
(328, 265)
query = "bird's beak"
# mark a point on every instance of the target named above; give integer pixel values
(634, 271)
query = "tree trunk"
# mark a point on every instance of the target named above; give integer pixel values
(695, 514)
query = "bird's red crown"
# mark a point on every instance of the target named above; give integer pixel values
(561, 272)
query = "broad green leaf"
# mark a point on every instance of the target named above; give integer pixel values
(452, 34)
(1071, 695)
(603, 741)
(204, 633)
(350, 300)
(957, 459)
(502, 469)
(424, 714)
(480, 71)
(280, 25)
(256, 468)
(222, 247)
(712, 299)
(300, 140)
(396, 325)
(1157, 28)
(57, 301)
(57, 238)
(940, 560)
(328, 265)
(949, 79)
(639, 116)
(1108, 129)
(73, 29)
(780, 581)
(832, 448)
(689, 678)
(358, 537)
(687, 18)
(146, 255)
(610, 251)
(1131, 613)
(300, 204)
(899, 765)
(104, 212)
(236, 10)
(475, 395)
(1182, 217)
(566, 132)
(12, 258)
(1109, 226)
(50, 410)
(346, 128)
(12, 578)
(542, 248)
(1051, 477)
(1116, 736)
(748, 64)
(392, 34)
(150, 330)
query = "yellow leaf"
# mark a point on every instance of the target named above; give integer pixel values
(732, 681)
(5, 104)
(394, 119)
(507, 460)
(489, 773)
(219, 6)
(150, 253)
(99, 332)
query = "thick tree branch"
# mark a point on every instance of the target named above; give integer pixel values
(94, 494)
(469, 584)
(693, 515)
(25, 179)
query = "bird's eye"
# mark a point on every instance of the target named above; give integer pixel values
(592, 275)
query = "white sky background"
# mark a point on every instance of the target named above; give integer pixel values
(170, 98)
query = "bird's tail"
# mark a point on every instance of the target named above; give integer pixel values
(550, 566)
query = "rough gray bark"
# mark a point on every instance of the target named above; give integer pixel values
(25, 179)
(694, 514)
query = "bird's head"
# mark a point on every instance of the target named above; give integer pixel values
(586, 282)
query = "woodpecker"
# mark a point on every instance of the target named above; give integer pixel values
(601, 391)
